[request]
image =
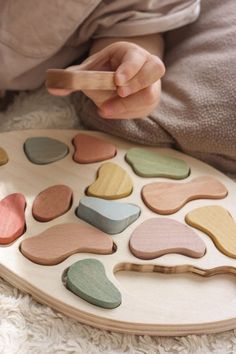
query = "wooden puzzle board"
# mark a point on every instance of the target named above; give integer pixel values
(166, 296)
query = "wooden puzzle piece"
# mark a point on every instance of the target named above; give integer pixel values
(88, 280)
(217, 223)
(44, 150)
(151, 164)
(168, 198)
(89, 149)
(108, 216)
(59, 242)
(3, 157)
(80, 79)
(159, 236)
(52, 202)
(12, 217)
(113, 182)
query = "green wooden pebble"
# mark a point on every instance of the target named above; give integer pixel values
(44, 150)
(109, 216)
(87, 279)
(151, 164)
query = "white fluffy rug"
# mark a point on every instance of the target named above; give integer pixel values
(29, 327)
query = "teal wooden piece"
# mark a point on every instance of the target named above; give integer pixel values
(109, 216)
(44, 150)
(87, 279)
(151, 164)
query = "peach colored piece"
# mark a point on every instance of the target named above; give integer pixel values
(12, 217)
(113, 182)
(217, 223)
(80, 79)
(57, 243)
(52, 202)
(3, 157)
(157, 236)
(89, 149)
(168, 198)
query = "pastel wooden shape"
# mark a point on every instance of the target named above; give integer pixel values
(12, 217)
(217, 223)
(89, 149)
(168, 198)
(3, 157)
(159, 236)
(80, 79)
(52, 202)
(113, 182)
(152, 164)
(108, 216)
(44, 150)
(57, 243)
(88, 280)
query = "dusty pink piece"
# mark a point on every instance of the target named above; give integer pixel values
(89, 149)
(52, 202)
(12, 217)
(158, 236)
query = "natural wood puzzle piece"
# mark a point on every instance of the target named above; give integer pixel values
(80, 80)
(12, 218)
(156, 237)
(59, 242)
(168, 198)
(87, 279)
(3, 157)
(151, 164)
(108, 216)
(52, 202)
(89, 149)
(44, 150)
(217, 223)
(113, 182)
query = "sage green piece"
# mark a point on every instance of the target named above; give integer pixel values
(87, 279)
(151, 164)
(44, 150)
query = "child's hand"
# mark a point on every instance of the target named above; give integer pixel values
(137, 76)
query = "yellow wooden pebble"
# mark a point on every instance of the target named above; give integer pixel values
(217, 223)
(113, 182)
(3, 157)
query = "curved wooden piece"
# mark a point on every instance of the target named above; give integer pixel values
(3, 157)
(156, 237)
(59, 242)
(168, 198)
(217, 223)
(52, 202)
(89, 149)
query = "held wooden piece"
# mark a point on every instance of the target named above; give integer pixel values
(151, 164)
(52, 202)
(59, 242)
(113, 182)
(217, 223)
(87, 279)
(44, 150)
(168, 198)
(156, 237)
(108, 216)
(80, 80)
(3, 157)
(12, 218)
(89, 149)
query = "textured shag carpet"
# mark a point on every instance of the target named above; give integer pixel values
(29, 327)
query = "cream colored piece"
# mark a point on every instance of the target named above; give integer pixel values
(171, 295)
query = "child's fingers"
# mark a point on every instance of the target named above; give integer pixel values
(152, 70)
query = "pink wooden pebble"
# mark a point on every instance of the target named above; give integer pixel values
(89, 149)
(12, 217)
(159, 236)
(52, 202)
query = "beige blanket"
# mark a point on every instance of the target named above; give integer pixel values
(197, 111)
